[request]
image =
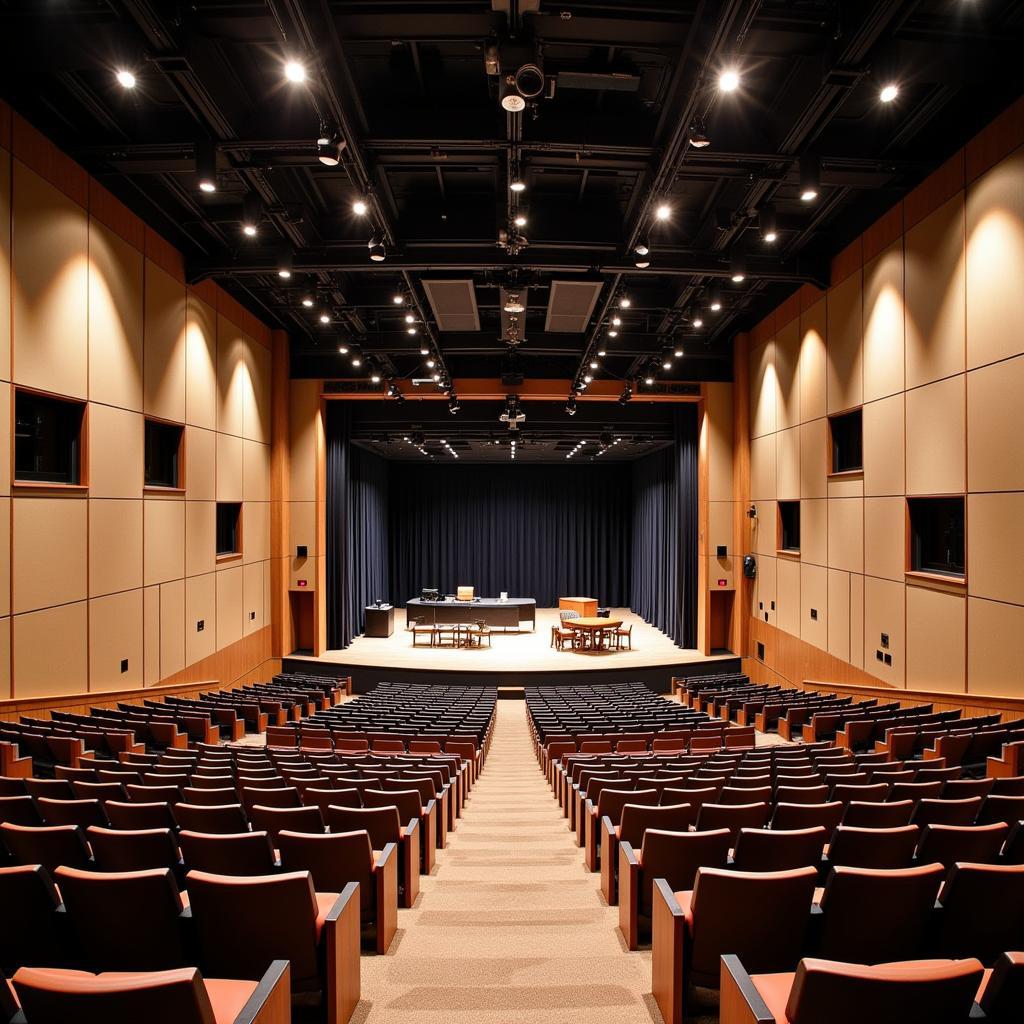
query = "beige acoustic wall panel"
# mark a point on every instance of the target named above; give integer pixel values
(763, 390)
(115, 319)
(720, 440)
(936, 425)
(839, 614)
(163, 540)
(151, 636)
(764, 590)
(995, 452)
(229, 605)
(50, 651)
(255, 471)
(995, 262)
(884, 537)
(50, 287)
(787, 595)
(763, 467)
(993, 658)
(200, 464)
(6, 396)
(164, 345)
(995, 546)
(813, 456)
(883, 323)
(252, 598)
(844, 364)
(814, 531)
(201, 537)
(935, 294)
(719, 525)
(116, 452)
(303, 411)
(884, 612)
(787, 454)
(256, 397)
(172, 628)
(50, 547)
(857, 620)
(115, 637)
(846, 534)
(813, 360)
(5, 556)
(814, 606)
(787, 375)
(5, 658)
(200, 364)
(200, 617)
(115, 545)
(232, 377)
(302, 527)
(5, 271)
(256, 531)
(229, 468)
(883, 439)
(765, 540)
(936, 640)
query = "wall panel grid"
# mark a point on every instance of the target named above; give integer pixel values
(924, 338)
(107, 567)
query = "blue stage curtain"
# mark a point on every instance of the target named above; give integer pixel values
(536, 531)
(357, 529)
(663, 582)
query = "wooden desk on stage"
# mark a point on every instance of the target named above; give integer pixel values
(495, 613)
(584, 607)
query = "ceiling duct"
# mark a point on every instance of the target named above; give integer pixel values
(513, 315)
(453, 304)
(571, 305)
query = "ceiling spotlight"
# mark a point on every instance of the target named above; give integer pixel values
(889, 93)
(125, 79)
(714, 302)
(663, 212)
(648, 381)
(510, 98)
(360, 207)
(594, 364)
(810, 177)
(375, 378)
(343, 349)
(307, 301)
(587, 378)
(667, 364)
(642, 248)
(329, 146)
(437, 377)
(613, 334)
(601, 353)
(410, 330)
(729, 80)
(624, 303)
(252, 211)
(206, 165)
(627, 394)
(325, 318)
(249, 230)
(678, 353)
(284, 263)
(616, 321)
(698, 135)
(378, 253)
(431, 363)
(642, 262)
(356, 361)
(424, 351)
(398, 299)
(513, 304)
(520, 221)
(517, 184)
(737, 268)
(697, 322)
(294, 72)
(768, 222)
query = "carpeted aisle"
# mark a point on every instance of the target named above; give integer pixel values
(510, 927)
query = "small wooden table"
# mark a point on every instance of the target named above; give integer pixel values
(592, 631)
(585, 607)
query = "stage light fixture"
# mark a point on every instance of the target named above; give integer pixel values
(714, 301)
(378, 252)
(594, 364)
(284, 263)
(356, 361)
(519, 221)
(360, 207)
(587, 378)
(517, 184)
(424, 351)
(206, 165)
(649, 381)
(375, 377)
(737, 268)
(698, 322)
(889, 92)
(431, 363)
(294, 72)
(625, 303)
(729, 80)
(601, 353)
(325, 318)
(437, 377)
(410, 318)
(398, 299)
(570, 405)
(613, 333)
(667, 364)
(627, 394)
(125, 79)
(768, 222)
(678, 353)
(810, 177)
(514, 303)
(698, 135)
(410, 330)
(616, 321)
(453, 404)
(329, 146)
(641, 263)
(343, 349)
(642, 248)
(307, 301)
(662, 212)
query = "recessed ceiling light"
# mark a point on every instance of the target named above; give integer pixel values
(517, 185)
(325, 318)
(431, 364)
(126, 79)
(424, 351)
(249, 230)
(810, 177)
(737, 277)
(359, 207)
(594, 364)
(697, 322)
(613, 334)
(678, 353)
(343, 349)
(624, 303)
(667, 365)
(520, 221)
(663, 212)
(294, 71)
(356, 361)
(648, 381)
(375, 378)
(770, 236)
(601, 353)
(410, 330)
(307, 301)
(587, 378)
(889, 93)
(398, 299)
(616, 321)
(729, 80)
(409, 318)
(716, 305)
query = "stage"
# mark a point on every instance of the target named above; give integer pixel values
(515, 659)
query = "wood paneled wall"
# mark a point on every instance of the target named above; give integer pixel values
(103, 587)
(920, 330)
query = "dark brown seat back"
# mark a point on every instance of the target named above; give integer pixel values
(48, 845)
(796, 816)
(935, 811)
(71, 812)
(139, 816)
(872, 814)
(611, 801)
(124, 850)
(761, 849)
(886, 848)
(274, 820)
(676, 856)
(732, 816)
(221, 819)
(982, 911)
(636, 819)
(1004, 994)
(242, 853)
(31, 935)
(333, 860)
(406, 800)
(382, 824)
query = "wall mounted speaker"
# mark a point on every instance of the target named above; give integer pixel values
(749, 566)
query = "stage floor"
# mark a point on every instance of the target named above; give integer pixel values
(525, 652)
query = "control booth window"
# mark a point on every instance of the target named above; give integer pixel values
(48, 439)
(229, 529)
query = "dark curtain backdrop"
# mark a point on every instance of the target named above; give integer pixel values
(357, 529)
(531, 530)
(663, 582)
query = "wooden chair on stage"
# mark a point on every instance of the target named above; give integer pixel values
(622, 636)
(418, 629)
(561, 634)
(479, 632)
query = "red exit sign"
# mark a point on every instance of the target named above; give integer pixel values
(722, 583)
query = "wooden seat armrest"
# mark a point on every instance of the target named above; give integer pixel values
(271, 1003)
(740, 1002)
(386, 871)
(668, 930)
(629, 895)
(341, 944)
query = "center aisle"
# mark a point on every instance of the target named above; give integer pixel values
(511, 927)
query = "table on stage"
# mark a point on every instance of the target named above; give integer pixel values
(491, 610)
(592, 632)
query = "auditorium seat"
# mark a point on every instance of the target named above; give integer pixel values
(384, 826)
(139, 816)
(281, 917)
(1004, 991)
(19, 810)
(224, 819)
(871, 916)
(49, 845)
(32, 933)
(962, 789)
(71, 812)
(761, 917)
(636, 819)
(872, 847)
(830, 992)
(982, 911)
(940, 811)
(947, 844)
(52, 789)
(871, 814)
(124, 850)
(274, 820)
(283, 797)
(801, 794)
(673, 856)
(732, 817)
(407, 803)
(610, 803)
(337, 859)
(12, 786)
(242, 853)
(996, 807)
(183, 996)
(429, 797)
(797, 815)
(761, 849)
(126, 921)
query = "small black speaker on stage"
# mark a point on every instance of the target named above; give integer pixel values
(749, 566)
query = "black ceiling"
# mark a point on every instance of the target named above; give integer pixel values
(431, 150)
